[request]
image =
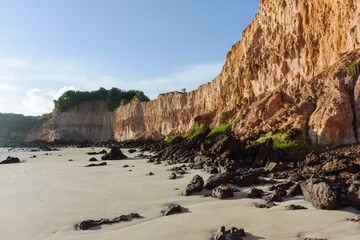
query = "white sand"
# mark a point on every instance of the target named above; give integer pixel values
(44, 197)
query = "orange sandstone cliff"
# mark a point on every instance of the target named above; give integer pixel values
(89, 121)
(290, 67)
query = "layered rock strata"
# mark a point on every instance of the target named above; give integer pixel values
(289, 68)
(89, 121)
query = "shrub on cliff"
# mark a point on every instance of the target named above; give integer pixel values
(71, 98)
(354, 70)
(239, 98)
(224, 117)
(170, 139)
(194, 131)
(215, 133)
(285, 138)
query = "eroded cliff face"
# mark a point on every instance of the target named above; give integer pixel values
(89, 121)
(291, 68)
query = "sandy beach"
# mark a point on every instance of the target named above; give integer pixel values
(44, 197)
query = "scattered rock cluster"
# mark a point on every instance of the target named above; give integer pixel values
(85, 225)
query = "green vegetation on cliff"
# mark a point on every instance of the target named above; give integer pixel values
(71, 98)
(354, 70)
(215, 133)
(13, 125)
(170, 139)
(194, 131)
(285, 138)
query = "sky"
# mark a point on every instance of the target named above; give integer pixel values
(50, 46)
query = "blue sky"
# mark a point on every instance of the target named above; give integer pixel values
(157, 46)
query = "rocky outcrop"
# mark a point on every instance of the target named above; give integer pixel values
(289, 68)
(89, 121)
(320, 193)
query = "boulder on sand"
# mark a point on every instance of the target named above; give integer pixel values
(196, 185)
(114, 154)
(222, 192)
(353, 195)
(320, 193)
(10, 160)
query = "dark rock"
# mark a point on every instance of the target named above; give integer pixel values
(172, 209)
(92, 160)
(126, 166)
(33, 156)
(85, 225)
(320, 193)
(312, 159)
(353, 195)
(307, 238)
(150, 174)
(222, 192)
(227, 146)
(275, 167)
(218, 179)
(354, 219)
(96, 165)
(96, 153)
(132, 150)
(265, 205)
(172, 176)
(235, 233)
(114, 154)
(294, 190)
(231, 234)
(70, 160)
(255, 193)
(294, 207)
(196, 185)
(220, 234)
(281, 187)
(274, 197)
(265, 153)
(10, 160)
(246, 180)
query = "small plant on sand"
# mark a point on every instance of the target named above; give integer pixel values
(354, 70)
(194, 131)
(170, 139)
(215, 133)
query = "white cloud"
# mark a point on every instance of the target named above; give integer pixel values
(56, 94)
(33, 85)
(39, 101)
(36, 102)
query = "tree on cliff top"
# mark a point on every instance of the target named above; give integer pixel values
(72, 98)
(13, 124)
